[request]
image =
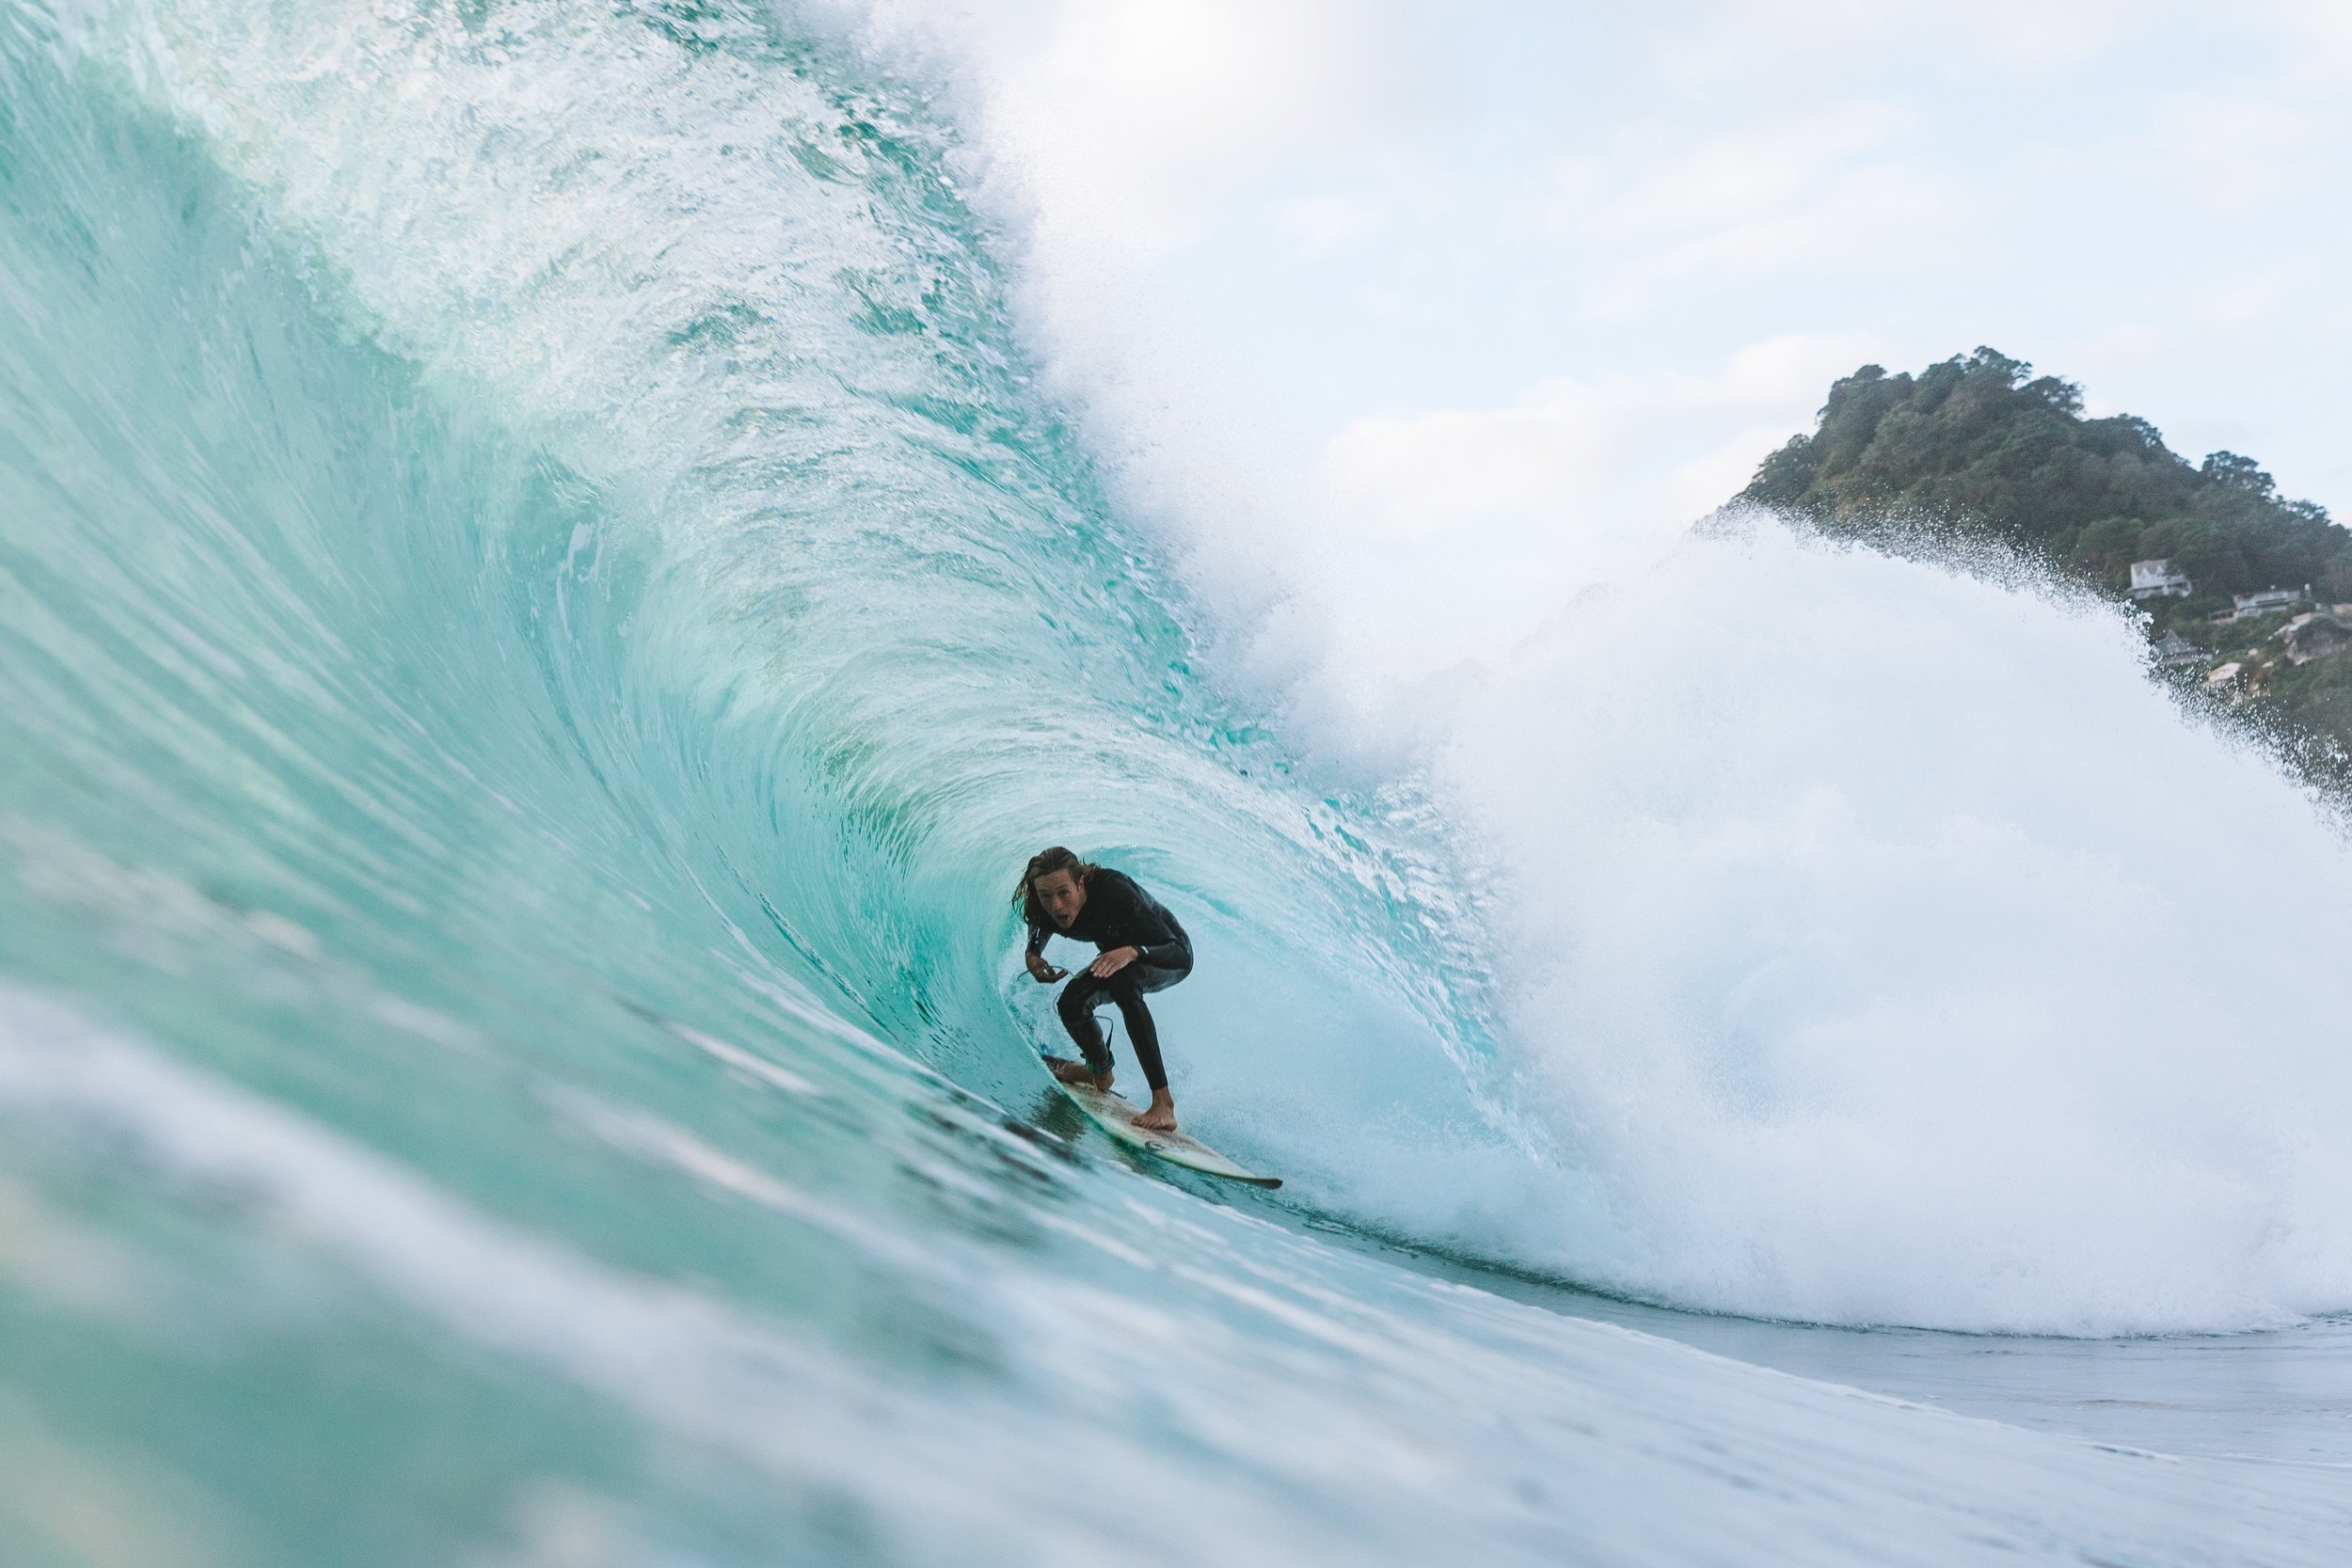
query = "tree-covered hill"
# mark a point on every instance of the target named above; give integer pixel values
(1974, 447)
(1979, 450)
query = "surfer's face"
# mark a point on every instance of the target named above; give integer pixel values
(1062, 895)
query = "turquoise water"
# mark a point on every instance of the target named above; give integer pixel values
(540, 606)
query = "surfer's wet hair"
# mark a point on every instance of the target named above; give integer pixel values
(1044, 863)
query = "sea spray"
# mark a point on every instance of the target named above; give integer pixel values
(1886, 948)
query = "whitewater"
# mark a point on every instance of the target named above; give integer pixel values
(544, 600)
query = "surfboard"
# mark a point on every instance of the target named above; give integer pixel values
(1117, 1115)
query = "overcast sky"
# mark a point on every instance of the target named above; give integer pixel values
(1446, 311)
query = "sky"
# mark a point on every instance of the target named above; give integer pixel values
(1425, 318)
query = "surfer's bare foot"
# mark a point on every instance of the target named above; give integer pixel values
(1160, 1117)
(1075, 1072)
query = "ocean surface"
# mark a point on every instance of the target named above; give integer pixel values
(542, 607)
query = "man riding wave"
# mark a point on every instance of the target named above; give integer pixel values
(1142, 949)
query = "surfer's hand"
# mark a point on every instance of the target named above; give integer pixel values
(1113, 961)
(1041, 971)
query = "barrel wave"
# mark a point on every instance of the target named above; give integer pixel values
(540, 608)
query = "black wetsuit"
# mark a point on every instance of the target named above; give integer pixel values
(1119, 914)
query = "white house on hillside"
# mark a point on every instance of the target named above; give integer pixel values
(2155, 579)
(2266, 601)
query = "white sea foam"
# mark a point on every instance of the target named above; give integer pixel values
(1884, 947)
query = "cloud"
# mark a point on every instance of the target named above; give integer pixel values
(2236, 152)
(1595, 465)
(2034, 36)
(1866, 221)
(1323, 223)
(1733, 177)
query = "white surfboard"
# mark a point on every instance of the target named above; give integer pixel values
(1117, 1117)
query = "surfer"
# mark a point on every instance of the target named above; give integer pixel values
(1142, 949)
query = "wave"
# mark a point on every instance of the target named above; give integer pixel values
(624, 574)
(540, 606)
(537, 539)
